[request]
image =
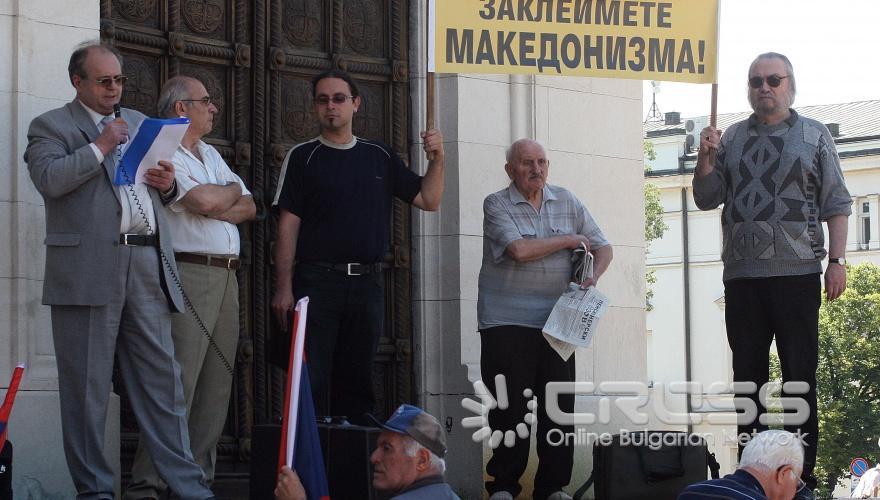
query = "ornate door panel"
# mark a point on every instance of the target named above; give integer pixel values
(256, 58)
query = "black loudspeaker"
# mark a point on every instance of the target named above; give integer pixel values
(346, 448)
(648, 464)
(6, 471)
(265, 439)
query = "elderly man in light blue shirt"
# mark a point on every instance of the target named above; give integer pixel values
(529, 231)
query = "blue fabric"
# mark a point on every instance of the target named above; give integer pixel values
(737, 486)
(308, 459)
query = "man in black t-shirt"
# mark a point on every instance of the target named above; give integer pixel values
(334, 198)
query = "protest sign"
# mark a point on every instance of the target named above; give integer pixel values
(674, 40)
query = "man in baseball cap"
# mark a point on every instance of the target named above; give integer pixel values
(408, 460)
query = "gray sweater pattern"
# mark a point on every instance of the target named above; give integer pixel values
(778, 183)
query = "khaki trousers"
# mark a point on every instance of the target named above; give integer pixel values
(207, 383)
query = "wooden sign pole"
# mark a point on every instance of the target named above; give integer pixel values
(429, 77)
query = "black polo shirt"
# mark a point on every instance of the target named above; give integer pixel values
(343, 194)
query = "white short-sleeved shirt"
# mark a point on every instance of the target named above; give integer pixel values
(196, 233)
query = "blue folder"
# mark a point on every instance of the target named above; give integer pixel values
(126, 170)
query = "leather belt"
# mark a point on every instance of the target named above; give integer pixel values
(349, 268)
(231, 263)
(139, 240)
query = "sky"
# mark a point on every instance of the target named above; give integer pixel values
(833, 45)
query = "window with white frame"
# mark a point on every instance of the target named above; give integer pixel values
(864, 224)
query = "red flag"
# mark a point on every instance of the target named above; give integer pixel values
(6, 409)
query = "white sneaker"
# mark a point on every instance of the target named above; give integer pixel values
(559, 495)
(501, 495)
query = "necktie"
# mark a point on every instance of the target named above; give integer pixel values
(105, 121)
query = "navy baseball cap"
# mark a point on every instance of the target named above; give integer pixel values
(417, 424)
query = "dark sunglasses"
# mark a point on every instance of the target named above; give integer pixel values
(108, 81)
(336, 98)
(204, 100)
(773, 81)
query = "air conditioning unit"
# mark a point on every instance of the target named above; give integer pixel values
(693, 128)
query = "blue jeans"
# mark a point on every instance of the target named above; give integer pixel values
(345, 320)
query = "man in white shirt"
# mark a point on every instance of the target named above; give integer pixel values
(211, 200)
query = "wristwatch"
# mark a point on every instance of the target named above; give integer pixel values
(838, 260)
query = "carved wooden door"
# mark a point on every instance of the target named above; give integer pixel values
(256, 58)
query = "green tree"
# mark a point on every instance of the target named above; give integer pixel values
(848, 379)
(654, 224)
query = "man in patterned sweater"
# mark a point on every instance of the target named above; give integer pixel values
(778, 176)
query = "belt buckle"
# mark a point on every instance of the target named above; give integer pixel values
(349, 271)
(229, 264)
(125, 238)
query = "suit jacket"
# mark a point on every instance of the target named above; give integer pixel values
(83, 210)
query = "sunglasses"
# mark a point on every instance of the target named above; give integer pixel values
(773, 81)
(108, 81)
(323, 100)
(204, 100)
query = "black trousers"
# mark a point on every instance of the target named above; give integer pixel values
(787, 308)
(527, 362)
(345, 320)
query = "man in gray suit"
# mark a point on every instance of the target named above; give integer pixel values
(109, 279)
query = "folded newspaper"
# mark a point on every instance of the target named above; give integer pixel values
(576, 315)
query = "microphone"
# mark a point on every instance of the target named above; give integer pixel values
(117, 112)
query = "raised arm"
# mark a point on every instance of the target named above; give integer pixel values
(432, 184)
(708, 184)
(710, 140)
(54, 170)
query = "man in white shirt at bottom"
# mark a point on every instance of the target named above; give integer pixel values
(203, 218)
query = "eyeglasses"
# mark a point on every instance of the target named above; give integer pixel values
(800, 482)
(773, 81)
(108, 81)
(323, 100)
(204, 100)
